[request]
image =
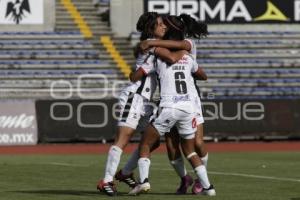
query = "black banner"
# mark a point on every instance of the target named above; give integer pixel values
(230, 11)
(252, 117)
(79, 120)
(75, 120)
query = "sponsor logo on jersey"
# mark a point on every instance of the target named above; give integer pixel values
(176, 99)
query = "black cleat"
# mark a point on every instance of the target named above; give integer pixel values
(128, 179)
(108, 188)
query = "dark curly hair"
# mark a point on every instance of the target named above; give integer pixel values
(184, 26)
(146, 24)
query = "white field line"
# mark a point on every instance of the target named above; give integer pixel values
(209, 172)
(65, 164)
(240, 175)
(255, 176)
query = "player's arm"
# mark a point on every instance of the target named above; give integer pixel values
(169, 44)
(169, 56)
(137, 75)
(200, 74)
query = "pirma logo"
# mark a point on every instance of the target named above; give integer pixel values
(231, 11)
(15, 10)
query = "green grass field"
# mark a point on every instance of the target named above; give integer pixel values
(236, 176)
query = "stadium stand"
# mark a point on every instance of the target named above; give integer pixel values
(261, 64)
(30, 62)
(249, 64)
(252, 64)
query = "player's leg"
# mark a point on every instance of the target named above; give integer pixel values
(187, 128)
(200, 169)
(160, 126)
(113, 159)
(200, 147)
(126, 173)
(176, 160)
(149, 138)
(114, 154)
(130, 114)
(131, 164)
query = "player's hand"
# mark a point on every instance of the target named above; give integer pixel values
(130, 75)
(185, 52)
(144, 46)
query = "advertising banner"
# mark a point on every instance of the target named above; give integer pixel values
(18, 123)
(96, 120)
(76, 120)
(234, 117)
(22, 12)
(27, 15)
(230, 11)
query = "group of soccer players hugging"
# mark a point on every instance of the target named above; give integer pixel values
(166, 58)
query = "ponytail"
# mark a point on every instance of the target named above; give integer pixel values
(193, 29)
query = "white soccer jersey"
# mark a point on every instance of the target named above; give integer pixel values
(177, 88)
(193, 50)
(147, 85)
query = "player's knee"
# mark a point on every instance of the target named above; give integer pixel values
(191, 155)
(144, 150)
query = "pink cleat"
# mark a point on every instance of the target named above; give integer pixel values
(197, 187)
(186, 182)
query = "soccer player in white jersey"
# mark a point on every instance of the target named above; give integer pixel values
(177, 109)
(131, 102)
(190, 28)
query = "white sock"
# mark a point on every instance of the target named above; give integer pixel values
(202, 175)
(144, 166)
(131, 163)
(179, 167)
(112, 163)
(205, 160)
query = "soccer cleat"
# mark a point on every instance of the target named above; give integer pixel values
(108, 188)
(185, 183)
(197, 187)
(209, 191)
(141, 188)
(128, 179)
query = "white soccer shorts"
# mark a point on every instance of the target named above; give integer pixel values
(131, 108)
(199, 117)
(185, 123)
(135, 111)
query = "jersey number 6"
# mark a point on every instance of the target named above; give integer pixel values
(180, 83)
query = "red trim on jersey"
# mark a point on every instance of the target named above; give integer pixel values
(144, 72)
(194, 123)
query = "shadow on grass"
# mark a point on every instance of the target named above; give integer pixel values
(60, 192)
(83, 193)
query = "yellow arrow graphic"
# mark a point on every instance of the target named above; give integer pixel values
(272, 13)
